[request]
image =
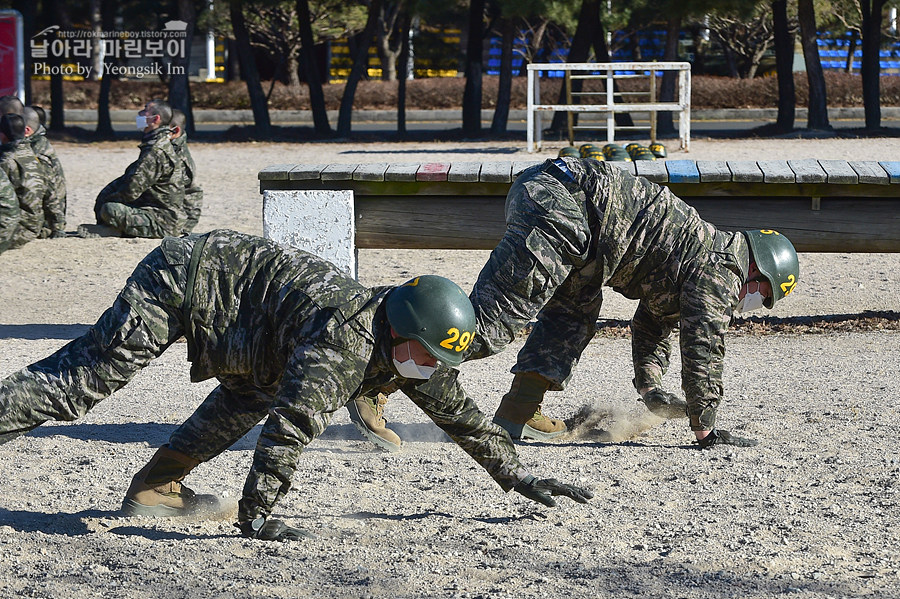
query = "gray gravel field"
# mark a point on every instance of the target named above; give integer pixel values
(811, 512)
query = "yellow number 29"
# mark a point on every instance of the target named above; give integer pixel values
(450, 342)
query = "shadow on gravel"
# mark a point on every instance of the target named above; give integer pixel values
(425, 515)
(42, 331)
(59, 523)
(154, 434)
(867, 321)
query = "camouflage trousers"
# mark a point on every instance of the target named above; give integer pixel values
(131, 221)
(541, 269)
(142, 323)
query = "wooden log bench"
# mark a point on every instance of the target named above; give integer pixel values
(334, 209)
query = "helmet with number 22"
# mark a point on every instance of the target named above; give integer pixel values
(776, 259)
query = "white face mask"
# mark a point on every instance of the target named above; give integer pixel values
(409, 369)
(141, 122)
(751, 301)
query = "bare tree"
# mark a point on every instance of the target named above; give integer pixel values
(360, 61)
(389, 38)
(817, 111)
(179, 85)
(871, 67)
(471, 108)
(784, 65)
(744, 41)
(104, 122)
(258, 102)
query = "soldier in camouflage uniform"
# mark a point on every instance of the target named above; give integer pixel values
(576, 225)
(193, 193)
(9, 211)
(25, 173)
(54, 201)
(286, 334)
(148, 200)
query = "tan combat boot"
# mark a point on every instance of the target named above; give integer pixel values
(367, 413)
(520, 410)
(157, 491)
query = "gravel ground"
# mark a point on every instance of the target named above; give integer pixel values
(810, 512)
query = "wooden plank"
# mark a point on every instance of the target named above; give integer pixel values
(745, 171)
(713, 171)
(276, 172)
(433, 171)
(306, 172)
(652, 170)
(807, 171)
(338, 172)
(682, 171)
(839, 172)
(628, 167)
(520, 165)
(464, 172)
(776, 171)
(870, 172)
(893, 170)
(496, 172)
(401, 172)
(477, 222)
(370, 172)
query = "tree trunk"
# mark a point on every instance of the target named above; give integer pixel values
(292, 67)
(817, 114)
(104, 122)
(248, 70)
(360, 62)
(313, 81)
(871, 69)
(579, 51)
(179, 86)
(664, 121)
(403, 68)
(59, 15)
(784, 67)
(96, 28)
(504, 85)
(601, 51)
(471, 108)
(851, 50)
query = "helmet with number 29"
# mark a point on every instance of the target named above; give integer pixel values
(435, 312)
(776, 259)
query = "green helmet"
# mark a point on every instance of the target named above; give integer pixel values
(776, 259)
(435, 312)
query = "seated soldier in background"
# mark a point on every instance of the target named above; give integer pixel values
(193, 194)
(26, 174)
(54, 204)
(9, 211)
(148, 200)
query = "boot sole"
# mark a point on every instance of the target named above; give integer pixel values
(356, 419)
(130, 507)
(521, 432)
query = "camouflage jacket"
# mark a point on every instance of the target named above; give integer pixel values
(296, 328)
(9, 211)
(154, 181)
(26, 174)
(55, 194)
(193, 194)
(637, 237)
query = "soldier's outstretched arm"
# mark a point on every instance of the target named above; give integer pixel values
(443, 398)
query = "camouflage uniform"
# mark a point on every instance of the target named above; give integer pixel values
(148, 200)
(575, 225)
(9, 211)
(285, 333)
(54, 202)
(193, 193)
(26, 174)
